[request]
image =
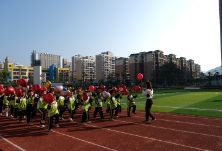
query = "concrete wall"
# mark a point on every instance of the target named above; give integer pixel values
(37, 72)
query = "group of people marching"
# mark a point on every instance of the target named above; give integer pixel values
(26, 106)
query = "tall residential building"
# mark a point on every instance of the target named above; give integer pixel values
(122, 68)
(74, 59)
(2, 65)
(86, 65)
(46, 60)
(150, 65)
(220, 16)
(64, 62)
(136, 64)
(105, 66)
(197, 71)
(192, 69)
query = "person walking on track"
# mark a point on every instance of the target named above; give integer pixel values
(149, 94)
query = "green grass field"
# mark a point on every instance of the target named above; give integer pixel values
(193, 102)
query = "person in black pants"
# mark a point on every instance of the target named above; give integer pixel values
(149, 94)
(31, 110)
(98, 105)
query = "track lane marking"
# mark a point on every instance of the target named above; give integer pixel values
(78, 139)
(12, 143)
(149, 138)
(171, 129)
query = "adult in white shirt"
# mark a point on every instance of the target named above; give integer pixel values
(149, 94)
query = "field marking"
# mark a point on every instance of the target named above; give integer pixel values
(149, 138)
(182, 115)
(185, 122)
(187, 108)
(12, 143)
(78, 139)
(171, 129)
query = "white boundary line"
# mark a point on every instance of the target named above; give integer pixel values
(180, 115)
(171, 129)
(149, 138)
(12, 143)
(182, 122)
(79, 139)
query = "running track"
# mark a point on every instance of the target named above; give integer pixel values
(168, 132)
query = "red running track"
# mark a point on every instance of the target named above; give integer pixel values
(168, 132)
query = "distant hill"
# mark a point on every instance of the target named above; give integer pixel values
(213, 70)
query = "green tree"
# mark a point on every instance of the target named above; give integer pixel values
(30, 79)
(170, 73)
(210, 77)
(117, 76)
(202, 76)
(5, 75)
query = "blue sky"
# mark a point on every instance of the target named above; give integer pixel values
(187, 28)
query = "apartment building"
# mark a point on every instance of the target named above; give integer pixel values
(86, 66)
(74, 59)
(46, 60)
(122, 68)
(150, 65)
(197, 70)
(105, 65)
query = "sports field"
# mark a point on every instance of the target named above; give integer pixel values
(169, 132)
(193, 102)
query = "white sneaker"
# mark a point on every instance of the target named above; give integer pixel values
(24, 116)
(117, 116)
(42, 126)
(11, 115)
(88, 122)
(50, 130)
(57, 125)
(83, 123)
(43, 121)
(71, 120)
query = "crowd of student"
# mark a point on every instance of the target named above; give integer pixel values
(26, 106)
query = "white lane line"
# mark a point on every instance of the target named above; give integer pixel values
(186, 122)
(187, 108)
(181, 115)
(148, 138)
(182, 122)
(80, 139)
(12, 143)
(171, 129)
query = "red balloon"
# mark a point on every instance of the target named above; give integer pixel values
(91, 88)
(125, 92)
(136, 89)
(11, 90)
(6, 92)
(37, 89)
(18, 92)
(114, 89)
(121, 87)
(103, 88)
(44, 88)
(1, 92)
(1, 86)
(48, 98)
(23, 82)
(85, 96)
(140, 76)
